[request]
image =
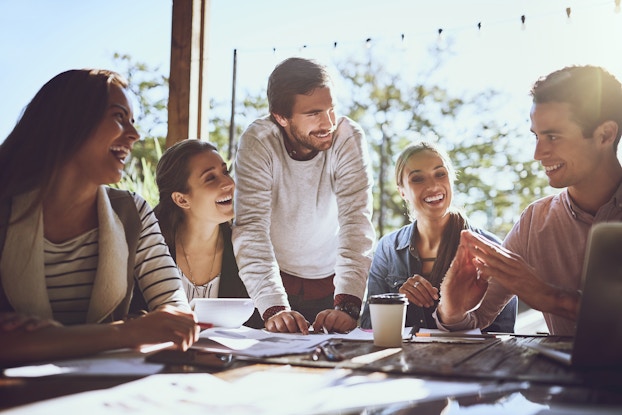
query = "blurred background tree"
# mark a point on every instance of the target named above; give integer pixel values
(497, 177)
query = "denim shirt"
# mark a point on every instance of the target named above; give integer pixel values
(395, 260)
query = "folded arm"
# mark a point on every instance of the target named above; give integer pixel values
(50, 340)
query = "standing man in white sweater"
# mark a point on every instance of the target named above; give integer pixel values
(302, 233)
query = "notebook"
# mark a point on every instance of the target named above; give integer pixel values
(598, 338)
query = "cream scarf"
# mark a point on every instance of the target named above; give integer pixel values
(22, 262)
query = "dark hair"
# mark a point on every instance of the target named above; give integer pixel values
(594, 95)
(294, 76)
(52, 128)
(172, 173)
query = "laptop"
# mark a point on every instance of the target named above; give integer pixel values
(598, 338)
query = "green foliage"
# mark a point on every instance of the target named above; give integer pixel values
(150, 88)
(140, 176)
(496, 179)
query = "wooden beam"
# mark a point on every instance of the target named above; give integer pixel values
(188, 104)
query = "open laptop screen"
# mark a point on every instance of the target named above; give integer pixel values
(598, 339)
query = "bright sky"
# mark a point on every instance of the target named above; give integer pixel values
(40, 38)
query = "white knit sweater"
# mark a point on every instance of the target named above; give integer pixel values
(309, 218)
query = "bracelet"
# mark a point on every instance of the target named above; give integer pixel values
(351, 309)
(272, 311)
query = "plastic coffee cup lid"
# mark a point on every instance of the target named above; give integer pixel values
(388, 298)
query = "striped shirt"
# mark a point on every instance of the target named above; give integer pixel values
(71, 266)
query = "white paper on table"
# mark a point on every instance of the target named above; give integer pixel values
(246, 341)
(284, 390)
(113, 363)
(261, 343)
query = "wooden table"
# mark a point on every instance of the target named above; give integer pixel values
(510, 374)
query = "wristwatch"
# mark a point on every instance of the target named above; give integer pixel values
(351, 309)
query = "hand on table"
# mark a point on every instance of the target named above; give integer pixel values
(287, 321)
(334, 321)
(419, 291)
(165, 324)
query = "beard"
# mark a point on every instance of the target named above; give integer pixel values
(310, 141)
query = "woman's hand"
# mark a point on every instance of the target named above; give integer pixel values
(419, 291)
(165, 324)
(287, 321)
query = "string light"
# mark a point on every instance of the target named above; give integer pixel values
(440, 31)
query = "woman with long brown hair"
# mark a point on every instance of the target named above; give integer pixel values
(195, 212)
(71, 248)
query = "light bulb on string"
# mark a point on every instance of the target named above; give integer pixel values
(368, 43)
(439, 39)
(617, 8)
(568, 13)
(334, 50)
(522, 20)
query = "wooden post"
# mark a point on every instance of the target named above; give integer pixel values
(232, 120)
(188, 104)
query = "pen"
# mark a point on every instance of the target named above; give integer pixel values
(148, 348)
(414, 330)
(315, 356)
(204, 326)
(329, 351)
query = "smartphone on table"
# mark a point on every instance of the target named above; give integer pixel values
(191, 357)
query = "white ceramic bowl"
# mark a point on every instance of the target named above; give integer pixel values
(223, 312)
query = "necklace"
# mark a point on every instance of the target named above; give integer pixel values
(288, 147)
(428, 259)
(183, 250)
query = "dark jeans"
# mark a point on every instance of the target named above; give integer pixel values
(307, 296)
(310, 308)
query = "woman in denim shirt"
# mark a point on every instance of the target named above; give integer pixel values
(414, 259)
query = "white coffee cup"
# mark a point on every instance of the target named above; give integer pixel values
(388, 315)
